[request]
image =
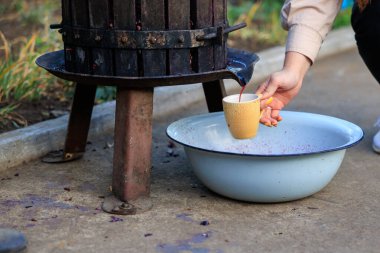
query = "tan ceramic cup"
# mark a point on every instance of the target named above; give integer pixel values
(242, 117)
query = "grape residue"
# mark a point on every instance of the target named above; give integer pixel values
(241, 92)
(238, 68)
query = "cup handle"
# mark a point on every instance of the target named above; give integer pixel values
(266, 103)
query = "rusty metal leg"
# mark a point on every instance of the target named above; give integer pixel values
(214, 93)
(132, 152)
(78, 126)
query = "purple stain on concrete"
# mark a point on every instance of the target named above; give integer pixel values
(116, 219)
(60, 182)
(87, 187)
(172, 248)
(186, 245)
(36, 201)
(82, 208)
(5, 225)
(184, 217)
(32, 200)
(200, 238)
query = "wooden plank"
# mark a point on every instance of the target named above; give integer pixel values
(69, 50)
(202, 17)
(125, 19)
(98, 13)
(79, 13)
(153, 18)
(102, 59)
(124, 14)
(102, 62)
(66, 20)
(178, 16)
(66, 12)
(69, 58)
(220, 52)
(79, 18)
(82, 60)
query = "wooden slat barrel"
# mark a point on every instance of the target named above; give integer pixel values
(144, 37)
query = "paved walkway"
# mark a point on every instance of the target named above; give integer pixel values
(58, 206)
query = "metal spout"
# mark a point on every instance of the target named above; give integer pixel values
(241, 64)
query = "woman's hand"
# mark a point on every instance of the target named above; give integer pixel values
(283, 86)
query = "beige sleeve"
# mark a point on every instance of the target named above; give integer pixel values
(308, 22)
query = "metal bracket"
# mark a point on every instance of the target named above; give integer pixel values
(60, 157)
(113, 205)
(130, 39)
(220, 32)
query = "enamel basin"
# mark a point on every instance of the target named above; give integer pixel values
(292, 161)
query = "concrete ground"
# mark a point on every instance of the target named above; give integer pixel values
(57, 206)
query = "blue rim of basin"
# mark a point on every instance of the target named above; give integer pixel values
(355, 138)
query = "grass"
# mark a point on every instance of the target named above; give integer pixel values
(20, 79)
(264, 23)
(29, 13)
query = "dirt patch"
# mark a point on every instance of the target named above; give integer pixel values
(52, 105)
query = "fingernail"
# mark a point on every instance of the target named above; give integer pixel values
(269, 101)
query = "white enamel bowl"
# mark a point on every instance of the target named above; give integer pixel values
(292, 161)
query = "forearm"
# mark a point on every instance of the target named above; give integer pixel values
(308, 23)
(297, 63)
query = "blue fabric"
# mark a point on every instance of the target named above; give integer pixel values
(347, 4)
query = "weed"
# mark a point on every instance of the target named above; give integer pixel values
(263, 21)
(20, 78)
(29, 13)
